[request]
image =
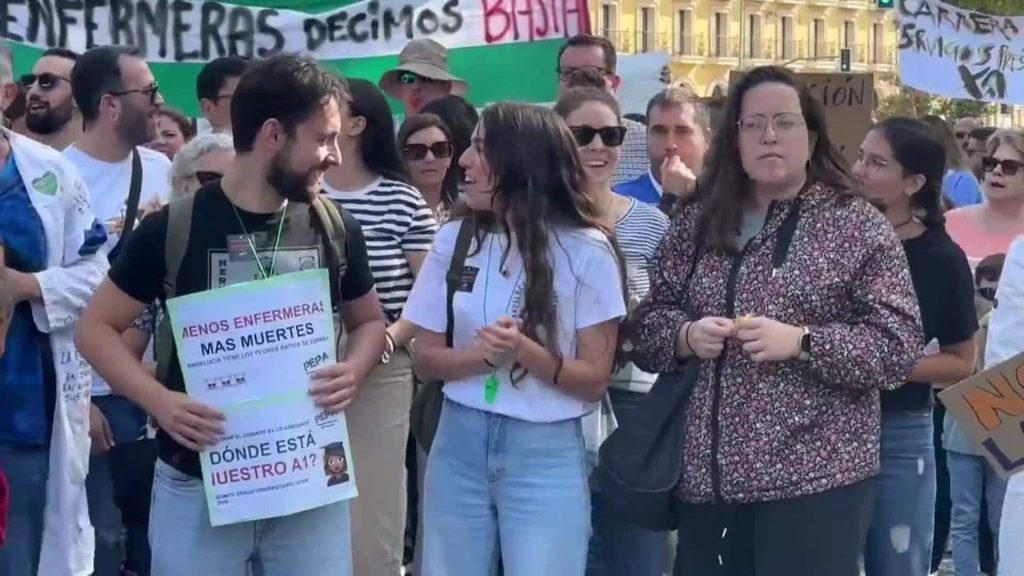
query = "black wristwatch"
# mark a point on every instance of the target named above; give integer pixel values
(805, 346)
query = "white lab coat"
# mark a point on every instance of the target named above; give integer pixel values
(69, 280)
(1006, 340)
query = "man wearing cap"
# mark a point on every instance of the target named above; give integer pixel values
(422, 76)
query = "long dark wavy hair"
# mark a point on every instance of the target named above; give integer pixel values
(724, 185)
(537, 187)
(918, 151)
(377, 145)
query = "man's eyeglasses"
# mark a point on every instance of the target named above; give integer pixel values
(611, 136)
(412, 78)
(419, 151)
(47, 81)
(1009, 167)
(566, 72)
(152, 90)
(206, 176)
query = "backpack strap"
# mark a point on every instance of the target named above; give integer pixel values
(334, 231)
(454, 276)
(179, 228)
(131, 212)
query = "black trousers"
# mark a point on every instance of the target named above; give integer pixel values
(818, 535)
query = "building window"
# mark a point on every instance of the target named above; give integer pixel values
(819, 38)
(755, 43)
(720, 34)
(647, 27)
(878, 43)
(684, 33)
(787, 37)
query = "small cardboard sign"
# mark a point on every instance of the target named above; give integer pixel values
(848, 100)
(990, 408)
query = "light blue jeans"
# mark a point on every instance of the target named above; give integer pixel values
(970, 477)
(26, 468)
(900, 539)
(497, 485)
(313, 543)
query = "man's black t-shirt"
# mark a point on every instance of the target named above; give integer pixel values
(207, 264)
(945, 293)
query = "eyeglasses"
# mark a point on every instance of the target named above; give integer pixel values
(419, 151)
(47, 81)
(153, 89)
(757, 124)
(611, 136)
(1007, 166)
(566, 72)
(207, 176)
(412, 78)
(987, 292)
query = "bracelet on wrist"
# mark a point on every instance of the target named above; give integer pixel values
(686, 336)
(558, 370)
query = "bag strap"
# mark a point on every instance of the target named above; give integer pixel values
(454, 276)
(179, 228)
(334, 225)
(132, 208)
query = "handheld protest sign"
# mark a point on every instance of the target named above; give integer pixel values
(990, 408)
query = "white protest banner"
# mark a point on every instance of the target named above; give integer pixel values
(247, 350)
(961, 53)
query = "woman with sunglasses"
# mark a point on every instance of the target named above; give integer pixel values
(427, 150)
(593, 116)
(371, 184)
(900, 169)
(989, 228)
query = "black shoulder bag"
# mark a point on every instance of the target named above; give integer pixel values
(132, 208)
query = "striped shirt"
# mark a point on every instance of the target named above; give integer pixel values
(638, 233)
(395, 220)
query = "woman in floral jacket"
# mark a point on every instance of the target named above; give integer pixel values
(796, 297)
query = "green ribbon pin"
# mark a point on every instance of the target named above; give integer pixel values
(46, 184)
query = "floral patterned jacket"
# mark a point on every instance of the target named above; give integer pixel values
(762, 432)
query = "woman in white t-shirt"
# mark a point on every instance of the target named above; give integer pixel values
(536, 316)
(594, 118)
(399, 228)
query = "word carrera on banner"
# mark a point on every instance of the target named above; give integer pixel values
(197, 31)
(961, 53)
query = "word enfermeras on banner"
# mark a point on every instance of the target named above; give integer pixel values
(248, 350)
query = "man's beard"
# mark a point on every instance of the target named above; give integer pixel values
(136, 127)
(290, 184)
(51, 120)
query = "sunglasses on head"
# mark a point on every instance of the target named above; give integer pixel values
(419, 151)
(611, 136)
(412, 78)
(1008, 167)
(206, 176)
(47, 81)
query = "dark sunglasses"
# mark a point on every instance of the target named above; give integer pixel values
(988, 293)
(566, 72)
(1009, 167)
(206, 176)
(152, 90)
(960, 135)
(419, 151)
(46, 80)
(412, 78)
(612, 136)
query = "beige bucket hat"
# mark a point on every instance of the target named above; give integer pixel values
(426, 58)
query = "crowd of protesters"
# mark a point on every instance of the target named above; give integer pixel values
(822, 306)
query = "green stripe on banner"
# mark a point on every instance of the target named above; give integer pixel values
(486, 68)
(504, 49)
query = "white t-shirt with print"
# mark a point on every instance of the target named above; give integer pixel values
(108, 184)
(587, 292)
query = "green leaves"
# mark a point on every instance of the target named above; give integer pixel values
(1003, 7)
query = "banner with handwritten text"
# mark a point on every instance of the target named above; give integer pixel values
(486, 38)
(961, 53)
(248, 351)
(990, 408)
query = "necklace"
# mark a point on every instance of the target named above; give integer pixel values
(491, 382)
(277, 241)
(904, 223)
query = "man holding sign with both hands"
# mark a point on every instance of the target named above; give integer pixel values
(259, 221)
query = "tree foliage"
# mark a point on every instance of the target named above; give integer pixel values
(915, 104)
(1005, 7)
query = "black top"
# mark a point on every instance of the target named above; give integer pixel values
(207, 264)
(945, 292)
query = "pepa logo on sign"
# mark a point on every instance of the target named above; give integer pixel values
(311, 364)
